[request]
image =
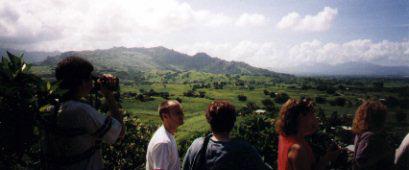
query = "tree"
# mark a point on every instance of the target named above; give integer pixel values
(268, 104)
(378, 85)
(23, 98)
(190, 93)
(320, 99)
(242, 97)
(281, 98)
(202, 94)
(266, 92)
(179, 99)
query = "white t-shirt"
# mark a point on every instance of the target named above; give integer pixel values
(162, 152)
(75, 114)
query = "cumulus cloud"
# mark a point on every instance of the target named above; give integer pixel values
(251, 20)
(78, 24)
(280, 57)
(320, 22)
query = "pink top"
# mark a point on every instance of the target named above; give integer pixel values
(284, 144)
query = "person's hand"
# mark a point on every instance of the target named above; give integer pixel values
(110, 79)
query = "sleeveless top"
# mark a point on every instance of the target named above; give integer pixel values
(284, 145)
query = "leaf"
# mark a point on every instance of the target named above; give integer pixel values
(23, 67)
(48, 86)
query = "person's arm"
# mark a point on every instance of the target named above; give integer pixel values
(110, 101)
(113, 106)
(160, 156)
(297, 157)
(402, 154)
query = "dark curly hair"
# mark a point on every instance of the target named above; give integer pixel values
(221, 115)
(72, 72)
(370, 116)
(287, 123)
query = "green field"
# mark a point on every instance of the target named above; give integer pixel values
(177, 83)
(194, 107)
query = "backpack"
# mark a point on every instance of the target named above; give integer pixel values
(199, 162)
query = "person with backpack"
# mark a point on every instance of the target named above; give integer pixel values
(73, 139)
(218, 151)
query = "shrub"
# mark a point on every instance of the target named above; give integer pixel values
(248, 109)
(179, 99)
(164, 95)
(129, 153)
(268, 104)
(202, 94)
(320, 99)
(266, 92)
(22, 95)
(281, 98)
(189, 93)
(339, 101)
(242, 97)
(265, 140)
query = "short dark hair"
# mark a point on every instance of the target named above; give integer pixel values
(287, 123)
(72, 72)
(167, 107)
(221, 115)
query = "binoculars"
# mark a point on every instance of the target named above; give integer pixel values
(103, 81)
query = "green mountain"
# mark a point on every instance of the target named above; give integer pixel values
(160, 58)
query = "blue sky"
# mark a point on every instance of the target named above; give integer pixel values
(270, 33)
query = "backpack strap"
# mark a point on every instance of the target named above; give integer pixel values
(199, 161)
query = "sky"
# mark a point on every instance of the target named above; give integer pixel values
(264, 33)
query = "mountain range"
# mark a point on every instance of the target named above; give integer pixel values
(349, 69)
(161, 58)
(30, 56)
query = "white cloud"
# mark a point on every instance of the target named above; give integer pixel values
(320, 22)
(251, 20)
(280, 57)
(78, 24)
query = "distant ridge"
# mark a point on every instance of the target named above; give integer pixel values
(161, 58)
(350, 69)
(30, 56)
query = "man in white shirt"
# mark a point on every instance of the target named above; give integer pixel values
(162, 153)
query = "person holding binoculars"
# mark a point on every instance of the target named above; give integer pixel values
(73, 140)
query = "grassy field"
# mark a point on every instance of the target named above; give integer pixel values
(194, 107)
(176, 83)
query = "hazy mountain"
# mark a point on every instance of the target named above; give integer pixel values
(160, 58)
(30, 56)
(350, 68)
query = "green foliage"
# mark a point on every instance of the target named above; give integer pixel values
(130, 153)
(281, 98)
(22, 97)
(268, 104)
(265, 140)
(242, 97)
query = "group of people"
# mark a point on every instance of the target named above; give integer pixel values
(81, 129)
